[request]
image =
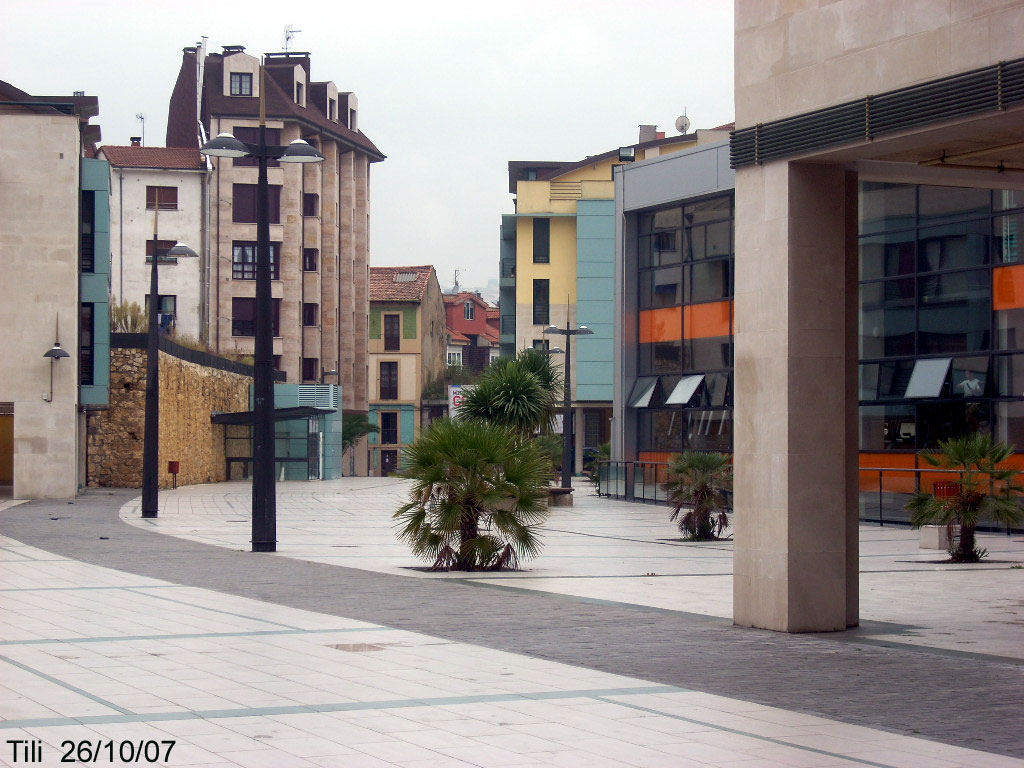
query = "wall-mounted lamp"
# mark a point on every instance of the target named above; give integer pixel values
(56, 352)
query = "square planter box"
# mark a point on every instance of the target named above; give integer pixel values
(936, 536)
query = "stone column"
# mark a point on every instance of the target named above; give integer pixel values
(796, 402)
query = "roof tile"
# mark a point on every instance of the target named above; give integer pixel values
(179, 158)
(387, 285)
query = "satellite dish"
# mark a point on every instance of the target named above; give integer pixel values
(682, 124)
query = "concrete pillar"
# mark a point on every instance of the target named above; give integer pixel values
(796, 398)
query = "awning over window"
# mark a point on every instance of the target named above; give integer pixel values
(685, 390)
(643, 391)
(927, 378)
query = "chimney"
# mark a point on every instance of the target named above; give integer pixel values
(648, 133)
(659, 135)
(78, 93)
(230, 49)
(136, 141)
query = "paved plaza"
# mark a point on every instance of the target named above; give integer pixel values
(614, 648)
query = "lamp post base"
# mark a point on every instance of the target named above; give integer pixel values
(264, 546)
(148, 515)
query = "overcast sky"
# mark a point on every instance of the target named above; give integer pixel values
(449, 91)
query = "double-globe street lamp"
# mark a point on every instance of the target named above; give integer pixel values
(264, 499)
(151, 436)
(568, 332)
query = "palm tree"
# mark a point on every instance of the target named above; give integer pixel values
(479, 493)
(700, 483)
(353, 427)
(985, 489)
(519, 393)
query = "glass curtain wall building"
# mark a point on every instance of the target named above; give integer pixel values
(941, 322)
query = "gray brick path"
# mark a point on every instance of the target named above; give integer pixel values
(963, 699)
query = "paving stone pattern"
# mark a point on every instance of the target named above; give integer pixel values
(965, 699)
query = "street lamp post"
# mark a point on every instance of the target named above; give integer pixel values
(264, 490)
(568, 332)
(151, 436)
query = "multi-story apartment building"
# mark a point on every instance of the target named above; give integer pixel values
(165, 189)
(472, 330)
(319, 213)
(55, 359)
(407, 354)
(557, 260)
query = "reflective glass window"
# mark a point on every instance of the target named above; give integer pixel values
(968, 376)
(888, 255)
(1009, 376)
(707, 210)
(710, 280)
(886, 206)
(1006, 238)
(955, 311)
(944, 203)
(1007, 199)
(708, 354)
(716, 386)
(1009, 423)
(943, 419)
(661, 357)
(665, 247)
(887, 318)
(1009, 328)
(661, 288)
(670, 218)
(707, 429)
(953, 246)
(887, 427)
(718, 239)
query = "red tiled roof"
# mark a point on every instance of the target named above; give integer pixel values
(153, 157)
(458, 298)
(493, 313)
(456, 337)
(386, 285)
(727, 127)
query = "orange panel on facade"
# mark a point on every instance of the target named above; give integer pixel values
(1008, 287)
(661, 456)
(661, 324)
(704, 321)
(893, 481)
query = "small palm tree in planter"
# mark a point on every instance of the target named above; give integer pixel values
(698, 483)
(985, 489)
(479, 494)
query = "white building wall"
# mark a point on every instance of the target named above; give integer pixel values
(39, 196)
(131, 225)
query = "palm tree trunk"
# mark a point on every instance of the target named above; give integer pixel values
(966, 549)
(468, 531)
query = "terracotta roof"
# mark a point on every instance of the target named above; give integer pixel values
(457, 298)
(493, 313)
(153, 157)
(454, 337)
(727, 127)
(399, 283)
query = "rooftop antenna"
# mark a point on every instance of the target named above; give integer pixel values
(141, 117)
(289, 33)
(455, 288)
(683, 122)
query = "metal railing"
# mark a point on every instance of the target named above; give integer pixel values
(885, 491)
(633, 480)
(882, 497)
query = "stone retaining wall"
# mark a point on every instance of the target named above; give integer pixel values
(189, 394)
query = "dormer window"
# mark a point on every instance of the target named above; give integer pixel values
(298, 94)
(332, 109)
(241, 84)
(469, 310)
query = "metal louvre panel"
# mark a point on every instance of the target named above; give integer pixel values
(318, 395)
(981, 90)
